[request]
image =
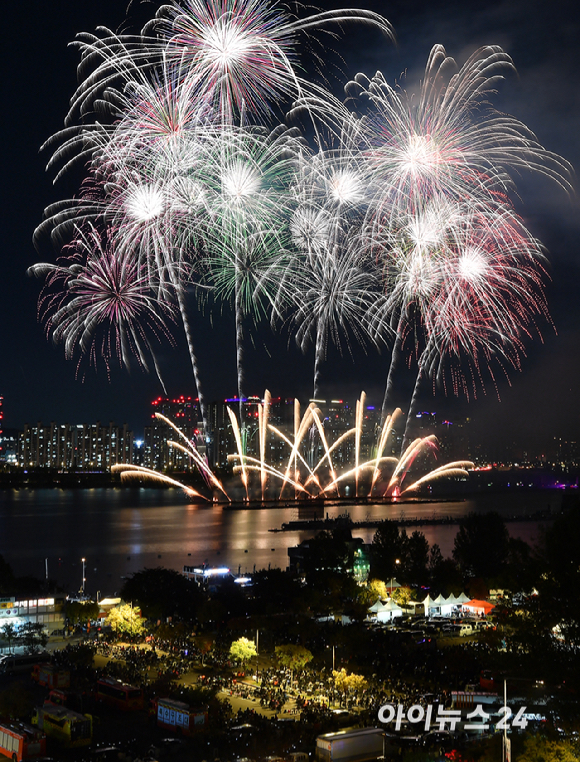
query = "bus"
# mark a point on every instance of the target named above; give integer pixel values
(176, 715)
(19, 741)
(118, 694)
(21, 662)
(69, 728)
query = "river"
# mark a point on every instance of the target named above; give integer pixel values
(120, 531)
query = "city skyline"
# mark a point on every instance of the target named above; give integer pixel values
(37, 379)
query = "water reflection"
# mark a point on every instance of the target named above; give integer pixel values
(123, 531)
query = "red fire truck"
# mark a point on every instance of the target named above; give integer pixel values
(51, 676)
(19, 741)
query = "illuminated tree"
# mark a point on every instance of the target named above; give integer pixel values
(377, 589)
(293, 657)
(346, 683)
(540, 749)
(125, 620)
(402, 595)
(243, 650)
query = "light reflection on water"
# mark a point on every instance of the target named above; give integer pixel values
(120, 532)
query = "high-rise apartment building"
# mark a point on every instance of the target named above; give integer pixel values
(85, 447)
(223, 438)
(158, 452)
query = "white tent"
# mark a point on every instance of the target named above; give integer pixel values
(386, 612)
(390, 611)
(429, 605)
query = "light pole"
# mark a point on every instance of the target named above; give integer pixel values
(84, 560)
(257, 654)
(507, 752)
(397, 561)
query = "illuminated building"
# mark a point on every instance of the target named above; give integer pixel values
(19, 611)
(184, 413)
(86, 447)
(452, 436)
(280, 415)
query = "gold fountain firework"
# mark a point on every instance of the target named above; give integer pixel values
(298, 475)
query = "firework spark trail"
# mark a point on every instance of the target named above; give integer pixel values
(360, 409)
(398, 228)
(409, 454)
(248, 464)
(445, 144)
(319, 426)
(191, 450)
(237, 56)
(241, 450)
(130, 472)
(456, 468)
(97, 294)
(386, 431)
(332, 285)
(448, 136)
(263, 415)
(247, 236)
(299, 434)
(467, 279)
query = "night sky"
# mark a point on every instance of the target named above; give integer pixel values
(39, 76)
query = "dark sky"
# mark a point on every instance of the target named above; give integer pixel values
(39, 76)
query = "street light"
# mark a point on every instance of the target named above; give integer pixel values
(397, 561)
(84, 560)
(333, 654)
(257, 655)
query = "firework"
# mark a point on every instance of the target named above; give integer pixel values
(448, 137)
(99, 304)
(315, 484)
(397, 227)
(239, 57)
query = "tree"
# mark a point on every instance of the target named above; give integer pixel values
(416, 559)
(81, 612)
(559, 585)
(387, 548)
(330, 551)
(293, 657)
(32, 636)
(377, 589)
(402, 595)
(125, 620)
(481, 545)
(243, 650)
(204, 643)
(16, 702)
(537, 748)
(277, 590)
(161, 593)
(346, 683)
(9, 633)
